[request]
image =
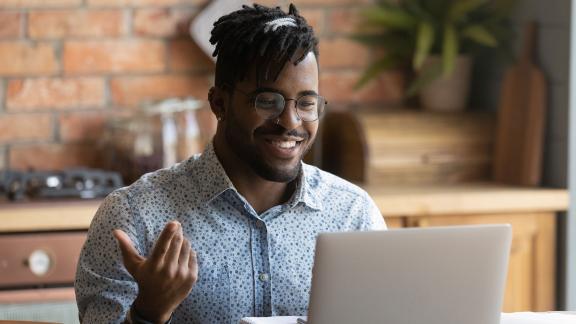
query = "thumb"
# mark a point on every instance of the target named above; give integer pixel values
(130, 255)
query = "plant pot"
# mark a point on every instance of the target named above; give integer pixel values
(451, 92)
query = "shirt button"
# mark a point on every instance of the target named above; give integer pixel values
(263, 277)
(259, 224)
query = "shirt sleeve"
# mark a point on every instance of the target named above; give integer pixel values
(104, 289)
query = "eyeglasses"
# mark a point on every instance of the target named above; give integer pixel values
(270, 105)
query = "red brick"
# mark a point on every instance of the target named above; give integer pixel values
(303, 3)
(162, 22)
(271, 3)
(25, 127)
(10, 24)
(185, 55)
(315, 18)
(3, 164)
(23, 58)
(131, 91)
(118, 56)
(82, 126)
(75, 23)
(53, 156)
(342, 53)
(55, 93)
(338, 87)
(141, 3)
(343, 20)
(2, 94)
(39, 3)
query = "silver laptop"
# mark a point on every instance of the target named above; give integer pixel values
(440, 275)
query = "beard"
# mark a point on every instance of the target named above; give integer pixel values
(240, 141)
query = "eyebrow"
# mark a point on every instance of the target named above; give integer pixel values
(268, 89)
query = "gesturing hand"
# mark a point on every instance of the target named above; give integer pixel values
(166, 277)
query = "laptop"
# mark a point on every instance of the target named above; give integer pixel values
(439, 275)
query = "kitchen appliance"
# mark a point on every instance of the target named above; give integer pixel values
(38, 264)
(37, 276)
(71, 183)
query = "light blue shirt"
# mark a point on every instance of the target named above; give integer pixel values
(249, 264)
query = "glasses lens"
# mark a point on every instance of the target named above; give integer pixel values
(309, 107)
(269, 104)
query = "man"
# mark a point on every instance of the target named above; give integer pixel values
(229, 233)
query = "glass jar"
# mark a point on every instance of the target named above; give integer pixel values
(159, 135)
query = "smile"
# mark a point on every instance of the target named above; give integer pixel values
(283, 148)
(284, 144)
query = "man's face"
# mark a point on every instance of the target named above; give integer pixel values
(274, 148)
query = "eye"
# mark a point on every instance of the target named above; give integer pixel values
(307, 102)
(268, 100)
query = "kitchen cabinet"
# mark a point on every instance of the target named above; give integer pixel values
(531, 281)
(532, 212)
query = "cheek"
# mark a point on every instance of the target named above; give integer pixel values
(312, 129)
(244, 119)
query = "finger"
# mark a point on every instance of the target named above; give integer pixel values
(184, 254)
(171, 257)
(163, 242)
(130, 256)
(193, 262)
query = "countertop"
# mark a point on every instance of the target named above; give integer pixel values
(392, 201)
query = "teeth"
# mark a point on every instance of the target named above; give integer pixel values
(285, 144)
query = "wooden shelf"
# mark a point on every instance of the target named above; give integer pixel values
(47, 216)
(461, 199)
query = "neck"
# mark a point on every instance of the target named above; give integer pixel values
(262, 194)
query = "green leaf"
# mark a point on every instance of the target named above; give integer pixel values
(480, 35)
(368, 39)
(427, 75)
(461, 8)
(424, 41)
(390, 41)
(503, 8)
(376, 68)
(390, 18)
(450, 49)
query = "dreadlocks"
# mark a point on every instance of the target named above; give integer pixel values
(266, 36)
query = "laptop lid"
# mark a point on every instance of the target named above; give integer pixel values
(439, 275)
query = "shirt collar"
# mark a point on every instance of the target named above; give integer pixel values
(215, 181)
(304, 193)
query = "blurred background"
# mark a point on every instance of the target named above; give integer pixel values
(94, 93)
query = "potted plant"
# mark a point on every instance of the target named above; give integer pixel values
(435, 40)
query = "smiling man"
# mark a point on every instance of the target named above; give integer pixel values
(229, 233)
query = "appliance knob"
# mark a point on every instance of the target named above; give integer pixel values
(39, 262)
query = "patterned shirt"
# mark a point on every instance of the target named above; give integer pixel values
(250, 264)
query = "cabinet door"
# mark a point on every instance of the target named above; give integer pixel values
(395, 222)
(531, 273)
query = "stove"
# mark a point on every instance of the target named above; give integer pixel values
(37, 268)
(80, 183)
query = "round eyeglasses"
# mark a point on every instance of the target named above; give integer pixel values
(270, 105)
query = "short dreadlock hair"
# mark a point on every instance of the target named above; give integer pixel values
(262, 38)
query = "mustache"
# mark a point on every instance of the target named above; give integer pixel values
(278, 130)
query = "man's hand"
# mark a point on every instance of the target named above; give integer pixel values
(166, 277)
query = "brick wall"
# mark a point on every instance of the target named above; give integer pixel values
(66, 66)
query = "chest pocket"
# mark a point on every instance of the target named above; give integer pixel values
(209, 301)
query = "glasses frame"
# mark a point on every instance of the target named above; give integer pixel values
(254, 96)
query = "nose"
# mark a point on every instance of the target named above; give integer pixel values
(289, 118)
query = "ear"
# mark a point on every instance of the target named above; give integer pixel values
(217, 98)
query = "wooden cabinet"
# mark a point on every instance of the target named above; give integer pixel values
(531, 283)
(531, 271)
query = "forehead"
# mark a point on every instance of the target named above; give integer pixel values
(303, 76)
